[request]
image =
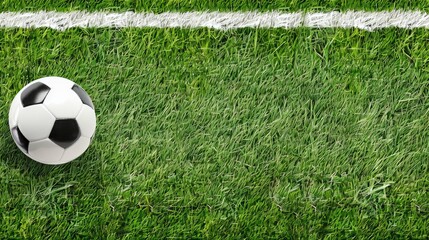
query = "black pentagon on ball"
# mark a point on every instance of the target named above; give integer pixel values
(20, 138)
(84, 97)
(34, 94)
(65, 132)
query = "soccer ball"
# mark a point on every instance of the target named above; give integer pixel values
(52, 120)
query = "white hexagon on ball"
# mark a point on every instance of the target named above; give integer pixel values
(58, 98)
(52, 120)
(87, 121)
(35, 122)
(15, 108)
(57, 82)
(37, 151)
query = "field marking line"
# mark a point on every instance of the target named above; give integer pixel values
(217, 20)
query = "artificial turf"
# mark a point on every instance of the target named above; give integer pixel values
(212, 5)
(250, 133)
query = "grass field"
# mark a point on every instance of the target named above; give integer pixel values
(244, 134)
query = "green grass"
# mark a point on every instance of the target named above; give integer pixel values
(239, 134)
(204, 5)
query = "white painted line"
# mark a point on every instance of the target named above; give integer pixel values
(217, 20)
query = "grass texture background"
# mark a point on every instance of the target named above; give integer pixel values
(250, 133)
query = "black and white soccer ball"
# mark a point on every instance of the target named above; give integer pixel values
(52, 120)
